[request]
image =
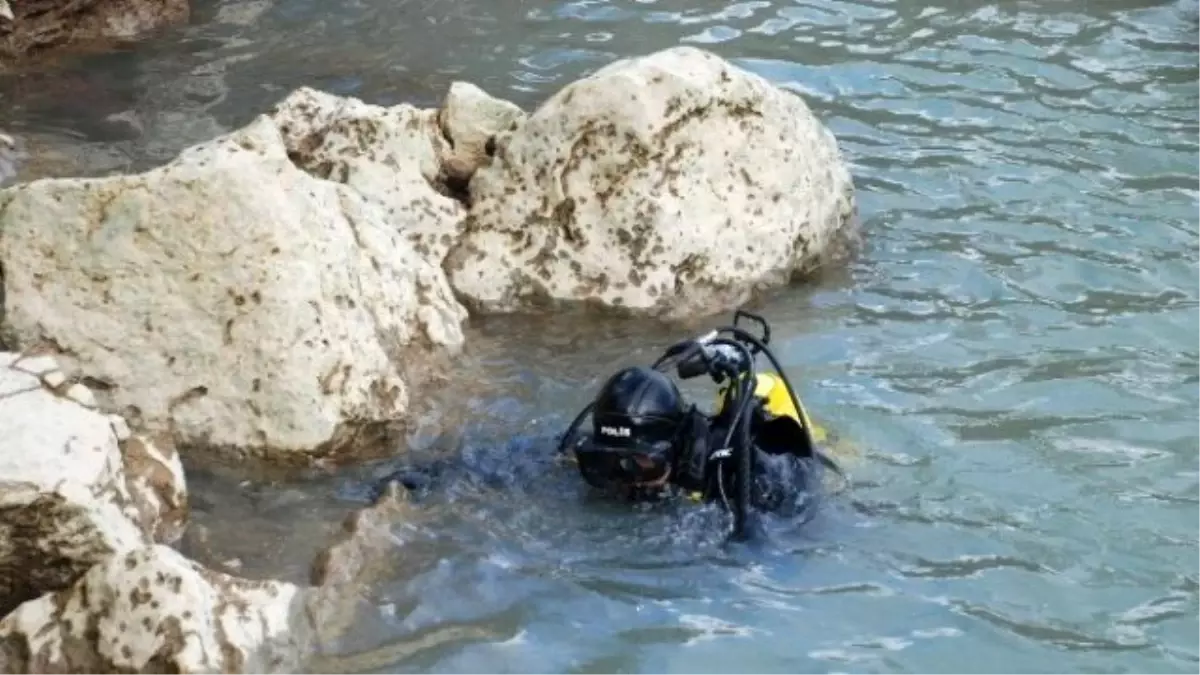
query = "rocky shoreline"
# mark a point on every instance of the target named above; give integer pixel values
(287, 292)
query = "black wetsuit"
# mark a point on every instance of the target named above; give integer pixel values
(787, 477)
(787, 474)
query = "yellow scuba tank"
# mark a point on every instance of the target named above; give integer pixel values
(773, 392)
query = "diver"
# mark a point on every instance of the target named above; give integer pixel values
(757, 451)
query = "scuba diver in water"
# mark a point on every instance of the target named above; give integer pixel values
(758, 450)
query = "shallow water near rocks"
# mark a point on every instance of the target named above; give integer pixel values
(1015, 353)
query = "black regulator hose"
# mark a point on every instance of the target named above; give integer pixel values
(740, 423)
(745, 478)
(758, 344)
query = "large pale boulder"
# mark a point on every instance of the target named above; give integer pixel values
(151, 610)
(44, 27)
(670, 184)
(230, 298)
(75, 486)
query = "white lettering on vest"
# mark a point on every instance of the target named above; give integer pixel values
(618, 432)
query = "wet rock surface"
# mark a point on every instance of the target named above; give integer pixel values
(673, 184)
(32, 28)
(285, 291)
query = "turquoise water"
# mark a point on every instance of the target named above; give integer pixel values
(1015, 352)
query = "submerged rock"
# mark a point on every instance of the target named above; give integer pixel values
(46, 26)
(150, 610)
(671, 184)
(231, 299)
(354, 557)
(366, 553)
(75, 486)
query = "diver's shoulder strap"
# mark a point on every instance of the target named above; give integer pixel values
(691, 462)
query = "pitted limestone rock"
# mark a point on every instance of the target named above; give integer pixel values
(229, 299)
(355, 557)
(150, 610)
(670, 184)
(71, 493)
(154, 478)
(43, 27)
(412, 162)
(470, 120)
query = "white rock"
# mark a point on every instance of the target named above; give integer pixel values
(469, 121)
(120, 427)
(54, 379)
(152, 610)
(64, 504)
(229, 297)
(390, 156)
(670, 184)
(81, 395)
(155, 480)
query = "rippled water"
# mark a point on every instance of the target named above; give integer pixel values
(1015, 353)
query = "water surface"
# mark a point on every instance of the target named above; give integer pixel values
(1015, 353)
